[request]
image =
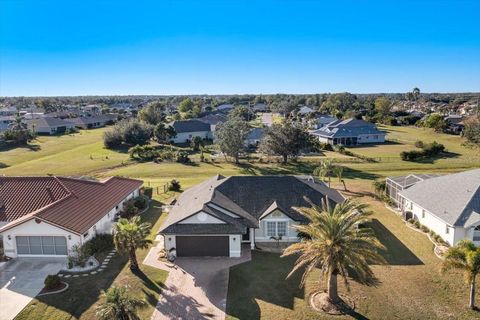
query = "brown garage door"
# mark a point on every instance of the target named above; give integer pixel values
(196, 246)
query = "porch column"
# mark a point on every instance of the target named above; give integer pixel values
(252, 238)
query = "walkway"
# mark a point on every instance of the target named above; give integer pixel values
(196, 288)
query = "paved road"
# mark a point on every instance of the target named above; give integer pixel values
(196, 288)
(22, 279)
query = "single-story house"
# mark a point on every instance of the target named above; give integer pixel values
(393, 185)
(449, 205)
(455, 123)
(350, 132)
(304, 110)
(47, 216)
(321, 120)
(260, 107)
(49, 125)
(217, 216)
(225, 107)
(214, 119)
(6, 122)
(8, 111)
(254, 136)
(187, 129)
(95, 121)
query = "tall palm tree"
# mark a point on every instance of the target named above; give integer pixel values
(335, 244)
(130, 235)
(464, 256)
(325, 169)
(119, 305)
(338, 171)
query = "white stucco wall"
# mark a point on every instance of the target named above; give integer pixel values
(261, 232)
(32, 228)
(187, 136)
(371, 138)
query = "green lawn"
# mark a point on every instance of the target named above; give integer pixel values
(410, 286)
(83, 295)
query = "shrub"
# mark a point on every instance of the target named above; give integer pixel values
(174, 185)
(52, 281)
(140, 202)
(129, 209)
(130, 132)
(148, 191)
(411, 155)
(112, 139)
(143, 153)
(419, 144)
(424, 229)
(182, 157)
(428, 150)
(100, 243)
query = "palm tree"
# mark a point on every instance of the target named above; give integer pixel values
(119, 305)
(416, 93)
(335, 244)
(338, 171)
(464, 256)
(325, 169)
(130, 235)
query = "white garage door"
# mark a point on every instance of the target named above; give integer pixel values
(36, 245)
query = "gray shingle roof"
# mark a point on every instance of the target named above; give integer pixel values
(248, 197)
(190, 126)
(453, 198)
(347, 128)
(48, 122)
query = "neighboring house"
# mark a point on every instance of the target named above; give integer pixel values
(321, 120)
(393, 185)
(49, 125)
(350, 132)
(254, 136)
(305, 110)
(214, 119)
(5, 122)
(455, 123)
(225, 107)
(187, 129)
(448, 205)
(217, 216)
(260, 107)
(8, 111)
(95, 121)
(47, 216)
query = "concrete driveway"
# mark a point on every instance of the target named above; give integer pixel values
(196, 288)
(21, 280)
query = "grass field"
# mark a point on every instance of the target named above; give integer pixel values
(411, 286)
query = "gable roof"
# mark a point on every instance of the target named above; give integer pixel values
(255, 134)
(48, 122)
(214, 118)
(71, 203)
(347, 128)
(190, 126)
(93, 119)
(453, 198)
(249, 197)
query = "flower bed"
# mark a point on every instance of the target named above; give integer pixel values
(62, 286)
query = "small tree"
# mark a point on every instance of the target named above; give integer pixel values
(130, 235)
(197, 143)
(464, 256)
(231, 136)
(119, 304)
(325, 169)
(163, 133)
(436, 122)
(153, 113)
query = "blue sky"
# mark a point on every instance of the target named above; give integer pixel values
(195, 47)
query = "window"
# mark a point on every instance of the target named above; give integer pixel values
(282, 228)
(271, 228)
(423, 214)
(447, 230)
(85, 234)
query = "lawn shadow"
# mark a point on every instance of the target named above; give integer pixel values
(395, 253)
(350, 173)
(443, 155)
(263, 278)
(290, 168)
(31, 147)
(3, 165)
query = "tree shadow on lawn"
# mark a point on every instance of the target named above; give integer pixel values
(272, 169)
(396, 252)
(432, 159)
(31, 147)
(350, 173)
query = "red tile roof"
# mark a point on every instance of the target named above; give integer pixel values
(70, 203)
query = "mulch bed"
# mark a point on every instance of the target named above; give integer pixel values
(320, 302)
(61, 286)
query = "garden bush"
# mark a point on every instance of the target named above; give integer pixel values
(148, 191)
(140, 202)
(52, 281)
(428, 150)
(174, 185)
(129, 209)
(182, 157)
(100, 243)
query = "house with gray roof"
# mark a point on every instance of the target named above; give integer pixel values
(188, 129)
(350, 132)
(449, 205)
(95, 121)
(217, 216)
(49, 126)
(394, 185)
(254, 137)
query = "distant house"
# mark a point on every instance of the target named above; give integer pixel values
(5, 122)
(254, 136)
(448, 205)
(305, 110)
(217, 216)
(214, 119)
(455, 123)
(225, 107)
(321, 120)
(260, 107)
(49, 126)
(350, 132)
(92, 108)
(187, 129)
(48, 216)
(8, 111)
(92, 122)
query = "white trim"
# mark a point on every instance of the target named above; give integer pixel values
(228, 213)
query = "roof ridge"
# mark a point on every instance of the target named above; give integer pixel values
(468, 203)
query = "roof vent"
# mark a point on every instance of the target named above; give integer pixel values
(311, 178)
